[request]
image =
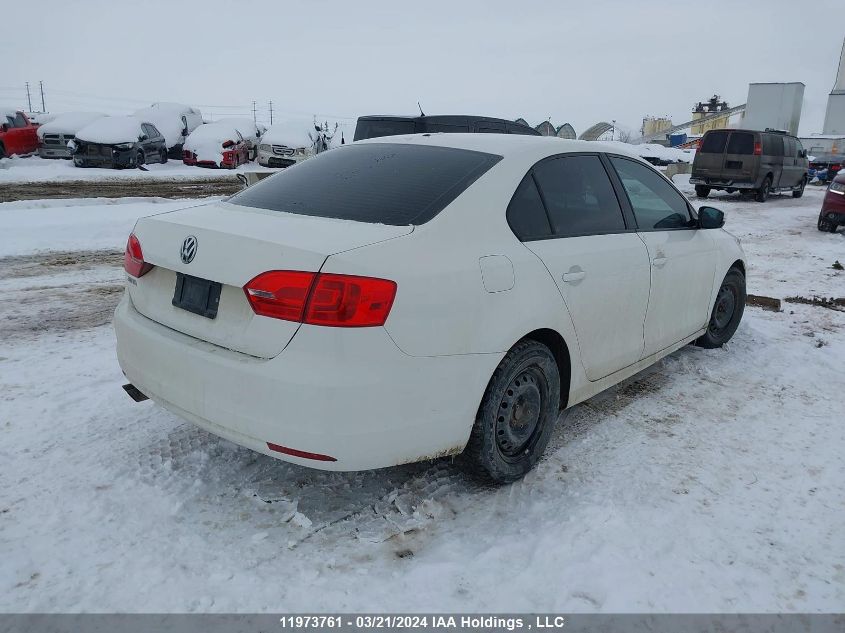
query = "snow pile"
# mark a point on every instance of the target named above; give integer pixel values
(249, 129)
(653, 151)
(69, 123)
(289, 134)
(170, 119)
(111, 130)
(207, 140)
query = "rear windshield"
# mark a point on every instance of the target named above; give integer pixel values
(380, 183)
(741, 143)
(375, 128)
(713, 142)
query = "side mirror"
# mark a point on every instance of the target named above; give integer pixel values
(227, 144)
(142, 137)
(710, 218)
(803, 153)
(5, 127)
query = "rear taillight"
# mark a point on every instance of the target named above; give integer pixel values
(758, 149)
(133, 258)
(321, 298)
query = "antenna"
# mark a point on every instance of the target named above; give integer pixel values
(420, 107)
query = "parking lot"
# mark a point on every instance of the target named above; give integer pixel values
(710, 482)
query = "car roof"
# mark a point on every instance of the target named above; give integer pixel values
(504, 145)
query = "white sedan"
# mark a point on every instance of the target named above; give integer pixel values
(405, 298)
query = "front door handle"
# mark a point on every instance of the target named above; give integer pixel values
(659, 262)
(573, 276)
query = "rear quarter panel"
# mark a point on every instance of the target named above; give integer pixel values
(441, 306)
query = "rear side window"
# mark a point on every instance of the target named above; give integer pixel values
(656, 204)
(772, 145)
(579, 196)
(526, 214)
(714, 142)
(789, 146)
(374, 129)
(381, 183)
(741, 143)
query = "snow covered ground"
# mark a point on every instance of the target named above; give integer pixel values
(711, 482)
(37, 169)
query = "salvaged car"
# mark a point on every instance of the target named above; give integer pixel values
(53, 137)
(18, 135)
(250, 131)
(283, 145)
(404, 298)
(118, 142)
(832, 214)
(174, 120)
(215, 145)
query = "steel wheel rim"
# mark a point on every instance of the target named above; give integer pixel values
(519, 413)
(724, 309)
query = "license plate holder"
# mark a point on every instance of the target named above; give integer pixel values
(197, 295)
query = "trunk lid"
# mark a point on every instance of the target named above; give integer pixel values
(233, 245)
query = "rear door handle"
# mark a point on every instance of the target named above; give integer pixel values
(659, 262)
(573, 276)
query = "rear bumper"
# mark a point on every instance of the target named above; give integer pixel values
(343, 392)
(721, 183)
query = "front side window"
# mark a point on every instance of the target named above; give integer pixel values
(656, 204)
(153, 131)
(579, 196)
(20, 120)
(383, 183)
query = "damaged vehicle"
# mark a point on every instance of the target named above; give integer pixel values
(54, 137)
(174, 120)
(118, 142)
(283, 145)
(216, 145)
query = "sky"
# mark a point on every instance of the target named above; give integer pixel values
(577, 62)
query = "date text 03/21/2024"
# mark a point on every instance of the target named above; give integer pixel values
(422, 622)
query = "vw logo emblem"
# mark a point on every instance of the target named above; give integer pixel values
(189, 249)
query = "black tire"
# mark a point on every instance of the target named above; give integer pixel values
(762, 194)
(516, 415)
(163, 156)
(800, 191)
(826, 225)
(2, 151)
(727, 311)
(702, 191)
(140, 159)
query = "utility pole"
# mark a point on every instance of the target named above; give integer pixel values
(28, 97)
(254, 116)
(43, 107)
(271, 112)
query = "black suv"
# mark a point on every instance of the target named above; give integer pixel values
(751, 161)
(375, 125)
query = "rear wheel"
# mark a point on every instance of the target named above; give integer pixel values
(2, 151)
(516, 416)
(727, 311)
(800, 191)
(762, 194)
(702, 191)
(163, 156)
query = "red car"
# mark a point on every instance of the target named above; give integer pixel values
(833, 206)
(17, 133)
(215, 145)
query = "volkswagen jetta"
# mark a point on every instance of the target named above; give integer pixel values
(404, 298)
